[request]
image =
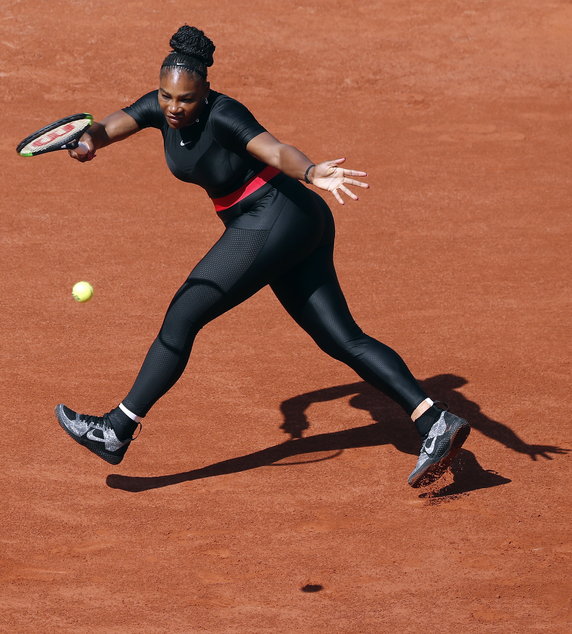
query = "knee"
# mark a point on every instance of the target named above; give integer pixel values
(346, 347)
(179, 337)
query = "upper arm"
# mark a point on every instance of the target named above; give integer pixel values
(234, 125)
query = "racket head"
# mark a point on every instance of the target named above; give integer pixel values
(62, 134)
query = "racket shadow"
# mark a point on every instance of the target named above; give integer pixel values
(334, 443)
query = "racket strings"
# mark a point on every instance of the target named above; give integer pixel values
(55, 137)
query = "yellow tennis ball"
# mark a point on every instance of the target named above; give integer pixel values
(82, 291)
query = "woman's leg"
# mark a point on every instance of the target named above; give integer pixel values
(220, 281)
(311, 294)
(269, 237)
(238, 265)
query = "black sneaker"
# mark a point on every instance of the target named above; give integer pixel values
(439, 448)
(93, 432)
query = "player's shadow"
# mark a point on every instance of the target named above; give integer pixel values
(390, 426)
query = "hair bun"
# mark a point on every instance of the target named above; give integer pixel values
(189, 40)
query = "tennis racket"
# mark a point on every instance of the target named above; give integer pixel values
(63, 134)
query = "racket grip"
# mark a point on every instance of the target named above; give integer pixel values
(75, 144)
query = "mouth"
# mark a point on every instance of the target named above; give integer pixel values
(174, 120)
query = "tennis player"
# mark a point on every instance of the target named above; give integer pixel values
(278, 232)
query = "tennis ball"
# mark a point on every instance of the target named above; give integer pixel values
(82, 291)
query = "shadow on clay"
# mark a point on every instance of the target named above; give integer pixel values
(468, 474)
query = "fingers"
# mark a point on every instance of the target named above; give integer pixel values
(336, 162)
(80, 156)
(353, 173)
(329, 176)
(82, 152)
(338, 197)
(348, 192)
(338, 187)
(351, 181)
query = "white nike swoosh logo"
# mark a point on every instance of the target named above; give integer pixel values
(91, 436)
(183, 143)
(429, 449)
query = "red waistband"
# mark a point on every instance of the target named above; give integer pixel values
(255, 183)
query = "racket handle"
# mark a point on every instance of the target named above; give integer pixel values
(75, 144)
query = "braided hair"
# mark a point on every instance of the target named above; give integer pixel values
(192, 51)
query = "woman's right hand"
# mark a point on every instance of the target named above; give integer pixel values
(115, 127)
(85, 150)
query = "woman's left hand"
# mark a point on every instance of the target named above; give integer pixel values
(333, 178)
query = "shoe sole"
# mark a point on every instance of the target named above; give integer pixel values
(437, 469)
(104, 455)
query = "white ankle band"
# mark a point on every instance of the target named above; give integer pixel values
(421, 409)
(129, 413)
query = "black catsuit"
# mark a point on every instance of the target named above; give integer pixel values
(281, 235)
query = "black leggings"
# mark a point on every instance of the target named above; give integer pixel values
(282, 235)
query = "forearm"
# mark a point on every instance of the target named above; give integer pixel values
(97, 134)
(286, 158)
(114, 127)
(293, 162)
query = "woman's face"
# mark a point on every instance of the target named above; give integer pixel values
(181, 97)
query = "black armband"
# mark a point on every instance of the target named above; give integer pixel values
(306, 179)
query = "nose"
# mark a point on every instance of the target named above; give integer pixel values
(174, 108)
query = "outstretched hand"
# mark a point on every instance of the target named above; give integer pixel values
(333, 178)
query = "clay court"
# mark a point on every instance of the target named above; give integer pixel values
(268, 490)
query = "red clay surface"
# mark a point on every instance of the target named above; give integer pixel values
(456, 257)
